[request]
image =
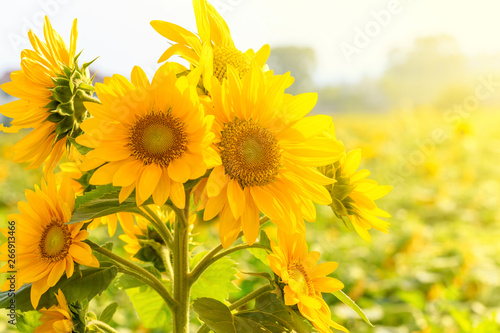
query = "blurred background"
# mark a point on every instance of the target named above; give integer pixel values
(414, 84)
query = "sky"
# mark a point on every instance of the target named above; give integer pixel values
(351, 39)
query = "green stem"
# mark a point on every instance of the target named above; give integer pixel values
(181, 286)
(204, 264)
(102, 326)
(207, 260)
(254, 294)
(165, 255)
(239, 303)
(158, 224)
(137, 272)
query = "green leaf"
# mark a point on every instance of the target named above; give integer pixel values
(223, 272)
(215, 314)
(151, 308)
(26, 322)
(84, 285)
(269, 316)
(81, 149)
(125, 281)
(107, 314)
(102, 201)
(350, 303)
(261, 254)
(274, 315)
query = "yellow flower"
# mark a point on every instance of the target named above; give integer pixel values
(57, 318)
(152, 137)
(354, 196)
(304, 280)
(46, 246)
(214, 50)
(269, 153)
(51, 89)
(130, 237)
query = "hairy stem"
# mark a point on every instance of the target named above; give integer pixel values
(181, 286)
(102, 326)
(208, 259)
(138, 272)
(204, 264)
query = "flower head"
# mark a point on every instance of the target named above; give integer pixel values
(47, 247)
(51, 88)
(304, 280)
(269, 152)
(353, 195)
(57, 318)
(214, 50)
(151, 137)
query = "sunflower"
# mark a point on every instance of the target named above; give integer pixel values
(151, 137)
(51, 88)
(57, 318)
(48, 247)
(353, 196)
(214, 50)
(304, 280)
(269, 152)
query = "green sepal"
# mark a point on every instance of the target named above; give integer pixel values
(61, 93)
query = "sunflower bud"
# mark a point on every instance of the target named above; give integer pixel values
(353, 195)
(72, 87)
(341, 202)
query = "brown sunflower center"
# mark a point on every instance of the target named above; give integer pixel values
(224, 56)
(250, 154)
(299, 275)
(158, 137)
(55, 241)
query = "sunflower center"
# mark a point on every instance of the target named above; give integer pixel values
(224, 56)
(158, 138)
(299, 275)
(55, 242)
(250, 154)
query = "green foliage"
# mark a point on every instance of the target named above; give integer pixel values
(107, 314)
(274, 315)
(26, 322)
(350, 303)
(102, 201)
(261, 254)
(83, 285)
(151, 308)
(269, 315)
(217, 280)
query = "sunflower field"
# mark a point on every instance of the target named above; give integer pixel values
(209, 198)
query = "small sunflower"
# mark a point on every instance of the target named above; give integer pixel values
(304, 280)
(51, 88)
(57, 318)
(353, 196)
(214, 50)
(269, 152)
(151, 137)
(131, 236)
(48, 246)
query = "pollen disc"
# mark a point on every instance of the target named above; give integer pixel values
(250, 153)
(158, 138)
